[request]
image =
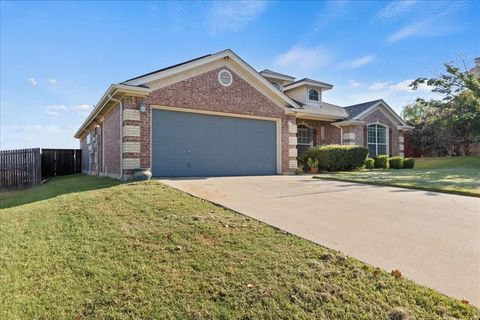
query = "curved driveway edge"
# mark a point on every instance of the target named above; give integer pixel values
(433, 238)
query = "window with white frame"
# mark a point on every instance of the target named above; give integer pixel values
(304, 138)
(313, 95)
(377, 139)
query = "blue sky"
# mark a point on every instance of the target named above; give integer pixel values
(58, 58)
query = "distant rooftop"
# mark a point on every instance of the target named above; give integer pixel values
(277, 74)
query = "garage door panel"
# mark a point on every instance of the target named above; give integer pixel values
(191, 144)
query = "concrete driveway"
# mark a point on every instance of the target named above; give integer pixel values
(433, 238)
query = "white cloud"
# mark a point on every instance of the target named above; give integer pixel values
(33, 81)
(52, 81)
(38, 135)
(49, 128)
(81, 109)
(304, 58)
(356, 63)
(354, 83)
(376, 86)
(404, 86)
(51, 113)
(394, 10)
(234, 15)
(430, 19)
(421, 28)
(56, 107)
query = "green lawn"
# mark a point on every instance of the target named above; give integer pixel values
(146, 251)
(459, 175)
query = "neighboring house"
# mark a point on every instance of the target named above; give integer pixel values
(216, 115)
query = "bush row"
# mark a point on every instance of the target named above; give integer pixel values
(384, 162)
(336, 157)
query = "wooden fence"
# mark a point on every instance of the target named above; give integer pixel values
(61, 162)
(20, 168)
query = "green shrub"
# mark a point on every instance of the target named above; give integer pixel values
(408, 163)
(369, 163)
(395, 162)
(381, 162)
(312, 163)
(336, 157)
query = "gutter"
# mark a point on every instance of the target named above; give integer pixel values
(112, 90)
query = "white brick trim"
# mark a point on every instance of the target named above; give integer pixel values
(349, 136)
(292, 152)
(292, 141)
(292, 128)
(400, 139)
(130, 114)
(131, 131)
(400, 146)
(292, 164)
(131, 147)
(131, 163)
(401, 154)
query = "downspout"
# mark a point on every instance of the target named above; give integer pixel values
(121, 133)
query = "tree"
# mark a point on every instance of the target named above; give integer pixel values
(456, 116)
(429, 136)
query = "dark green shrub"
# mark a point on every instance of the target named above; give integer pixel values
(381, 162)
(395, 162)
(408, 163)
(369, 163)
(336, 157)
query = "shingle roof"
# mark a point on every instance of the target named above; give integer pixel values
(309, 80)
(277, 74)
(326, 109)
(166, 68)
(356, 109)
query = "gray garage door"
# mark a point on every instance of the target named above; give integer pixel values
(194, 145)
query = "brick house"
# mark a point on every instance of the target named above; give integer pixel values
(216, 115)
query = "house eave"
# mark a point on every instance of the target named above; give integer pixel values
(276, 76)
(295, 85)
(320, 117)
(115, 91)
(349, 123)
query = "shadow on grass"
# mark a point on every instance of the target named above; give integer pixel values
(54, 187)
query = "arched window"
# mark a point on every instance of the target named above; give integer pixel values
(304, 138)
(377, 139)
(313, 95)
(276, 85)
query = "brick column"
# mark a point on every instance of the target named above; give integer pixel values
(131, 136)
(292, 144)
(353, 135)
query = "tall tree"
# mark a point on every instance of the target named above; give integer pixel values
(457, 115)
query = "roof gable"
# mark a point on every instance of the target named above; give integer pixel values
(226, 55)
(360, 111)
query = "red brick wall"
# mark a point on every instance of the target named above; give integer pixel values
(359, 133)
(111, 144)
(377, 115)
(204, 92)
(332, 133)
